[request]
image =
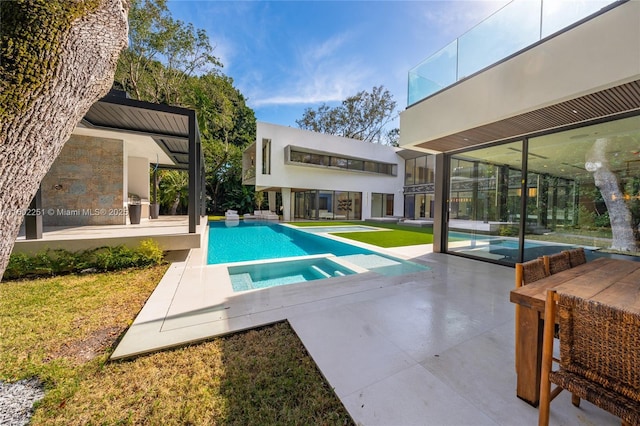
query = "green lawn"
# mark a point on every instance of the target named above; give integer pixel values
(63, 329)
(396, 236)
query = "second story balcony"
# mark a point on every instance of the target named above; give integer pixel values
(517, 26)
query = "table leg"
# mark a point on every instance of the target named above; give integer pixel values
(529, 352)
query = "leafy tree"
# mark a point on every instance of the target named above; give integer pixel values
(57, 57)
(362, 116)
(171, 62)
(163, 53)
(174, 190)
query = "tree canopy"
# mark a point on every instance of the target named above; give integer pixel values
(171, 62)
(362, 116)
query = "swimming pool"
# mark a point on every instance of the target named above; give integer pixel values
(260, 240)
(257, 243)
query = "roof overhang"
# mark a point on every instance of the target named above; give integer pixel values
(621, 99)
(167, 126)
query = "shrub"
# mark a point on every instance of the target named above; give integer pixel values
(60, 261)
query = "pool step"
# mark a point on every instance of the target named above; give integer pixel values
(320, 271)
(242, 282)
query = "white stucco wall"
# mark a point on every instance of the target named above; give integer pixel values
(138, 176)
(303, 177)
(599, 54)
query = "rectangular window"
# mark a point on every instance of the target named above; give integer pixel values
(266, 156)
(409, 171)
(356, 165)
(339, 162)
(421, 170)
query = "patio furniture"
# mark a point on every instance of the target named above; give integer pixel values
(231, 216)
(599, 356)
(613, 281)
(557, 262)
(262, 215)
(576, 256)
(527, 273)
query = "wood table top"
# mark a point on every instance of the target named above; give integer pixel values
(611, 281)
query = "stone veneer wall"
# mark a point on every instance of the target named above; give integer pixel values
(85, 184)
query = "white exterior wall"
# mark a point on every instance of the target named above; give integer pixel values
(309, 177)
(599, 54)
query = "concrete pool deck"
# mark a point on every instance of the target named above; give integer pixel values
(430, 348)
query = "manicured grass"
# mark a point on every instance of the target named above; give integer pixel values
(63, 329)
(397, 236)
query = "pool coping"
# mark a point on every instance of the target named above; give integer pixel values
(194, 302)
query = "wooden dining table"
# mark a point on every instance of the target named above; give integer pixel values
(612, 281)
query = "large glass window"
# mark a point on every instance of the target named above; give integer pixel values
(381, 205)
(484, 202)
(317, 204)
(409, 171)
(582, 188)
(266, 156)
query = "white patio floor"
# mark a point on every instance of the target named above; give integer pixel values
(429, 348)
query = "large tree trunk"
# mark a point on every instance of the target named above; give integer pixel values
(72, 64)
(607, 182)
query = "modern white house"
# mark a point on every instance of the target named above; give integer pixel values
(533, 118)
(310, 175)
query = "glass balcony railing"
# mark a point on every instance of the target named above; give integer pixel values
(517, 25)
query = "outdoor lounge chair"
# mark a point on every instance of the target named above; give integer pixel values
(231, 215)
(599, 356)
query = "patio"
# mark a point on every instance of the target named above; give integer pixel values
(434, 347)
(171, 232)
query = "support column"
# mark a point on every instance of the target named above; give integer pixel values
(441, 214)
(33, 223)
(271, 197)
(286, 204)
(193, 174)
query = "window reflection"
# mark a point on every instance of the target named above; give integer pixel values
(582, 188)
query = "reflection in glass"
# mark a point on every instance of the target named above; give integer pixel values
(513, 28)
(582, 188)
(557, 15)
(484, 202)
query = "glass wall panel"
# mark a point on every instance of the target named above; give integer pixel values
(484, 202)
(421, 170)
(325, 201)
(431, 168)
(584, 189)
(511, 29)
(356, 205)
(409, 167)
(557, 15)
(388, 198)
(377, 205)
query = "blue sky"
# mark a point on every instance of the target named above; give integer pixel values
(286, 56)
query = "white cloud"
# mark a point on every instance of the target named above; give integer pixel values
(321, 72)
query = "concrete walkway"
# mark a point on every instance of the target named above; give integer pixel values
(429, 348)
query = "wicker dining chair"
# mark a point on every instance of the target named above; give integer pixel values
(526, 273)
(576, 256)
(531, 271)
(556, 262)
(599, 356)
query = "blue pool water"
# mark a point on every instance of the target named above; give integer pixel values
(256, 276)
(256, 241)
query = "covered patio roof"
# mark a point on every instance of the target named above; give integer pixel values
(173, 129)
